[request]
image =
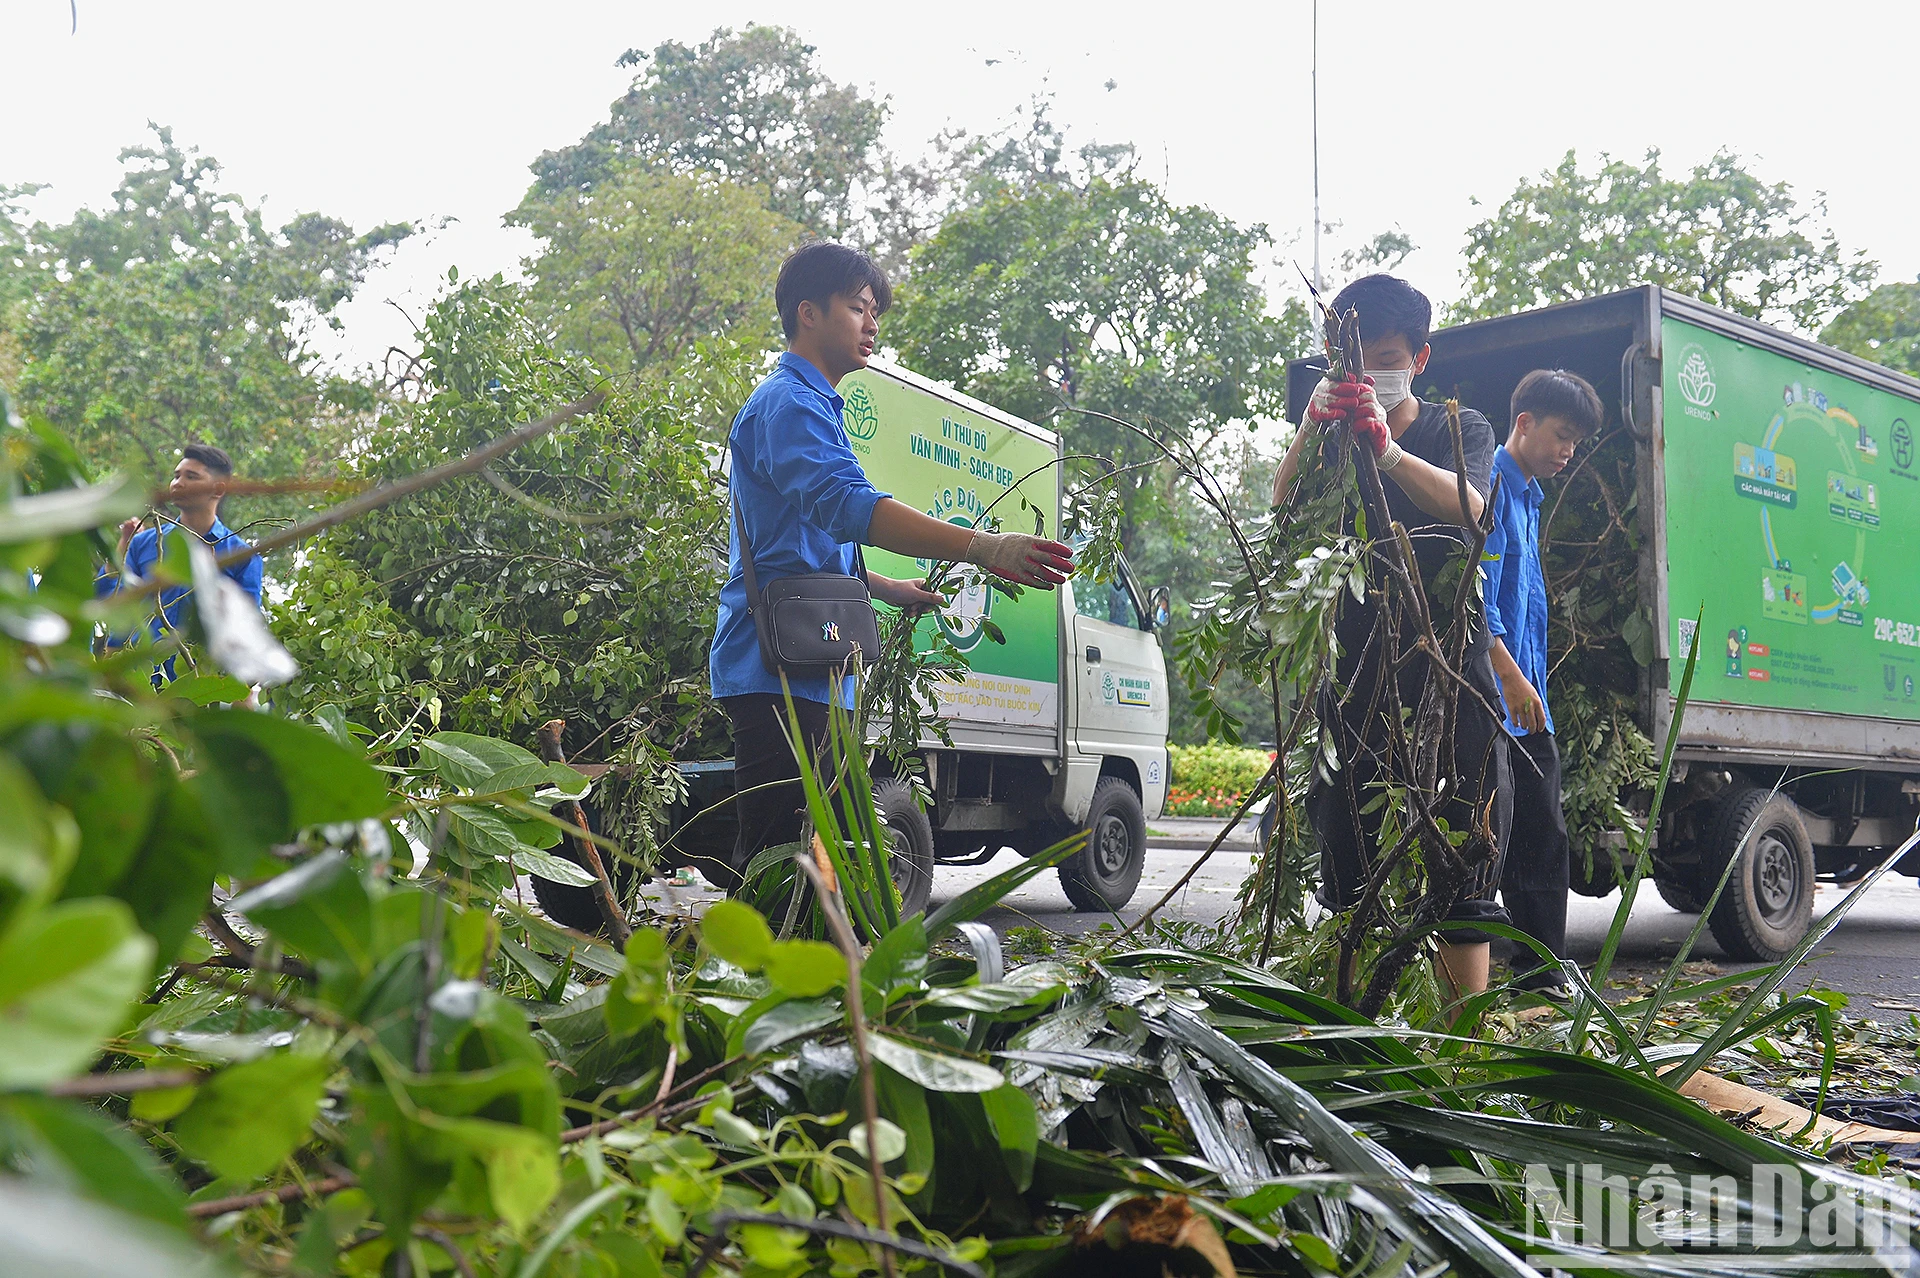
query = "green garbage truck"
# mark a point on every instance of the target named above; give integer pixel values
(1774, 509)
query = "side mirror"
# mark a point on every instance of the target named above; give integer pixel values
(1160, 607)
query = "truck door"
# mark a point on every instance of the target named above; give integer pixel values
(1120, 681)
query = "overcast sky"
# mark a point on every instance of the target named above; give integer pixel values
(407, 109)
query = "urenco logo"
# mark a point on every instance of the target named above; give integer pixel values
(861, 418)
(1696, 378)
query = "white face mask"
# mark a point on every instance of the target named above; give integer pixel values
(1391, 385)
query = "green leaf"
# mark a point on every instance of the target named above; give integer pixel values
(470, 761)
(68, 976)
(905, 1103)
(486, 834)
(1016, 1126)
(934, 1070)
(324, 781)
(805, 969)
(892, 1141)
(247, 1118)
(545, 865)
(205, 690)
(787, 1022)
(320, 908)
(523, 1165)
(69, 510)
(1315, 1250)
(534, 776)
(665, 1216)
(102, 1157)
(31, 857)
(169, 882)
(112, 790)
(898, 958)
(159, 1105)
(54, 1233)
(772, 1248)
(737, 933)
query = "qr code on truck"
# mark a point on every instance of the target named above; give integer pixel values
(1686, 637)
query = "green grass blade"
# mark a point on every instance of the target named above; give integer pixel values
(1642, 860)
(1436, 1225)
(1659, 997)
(981, 897)
(1776, 975)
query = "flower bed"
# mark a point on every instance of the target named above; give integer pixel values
(1213, 780)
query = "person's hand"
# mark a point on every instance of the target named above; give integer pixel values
(127, 530)
(911, 597)
(1030, 561)
(1352, 402)
(1524, 705)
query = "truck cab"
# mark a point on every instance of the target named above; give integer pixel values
(1059, 725)
(1061, 728)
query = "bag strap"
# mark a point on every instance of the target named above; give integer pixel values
(746, 556)
(746, 548)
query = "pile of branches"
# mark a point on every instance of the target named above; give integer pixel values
(1274, 624)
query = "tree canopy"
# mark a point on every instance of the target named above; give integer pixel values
(575, 579)
(1720, 234)
(1883, 326)
(1101, 294)
(177, 313)
(752, 107)
(646, 262)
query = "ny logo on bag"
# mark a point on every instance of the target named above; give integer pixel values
(830, 632)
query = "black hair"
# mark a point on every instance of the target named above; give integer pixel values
(1554, 392)
(1388, 306)
(214, 459)
(818, 271)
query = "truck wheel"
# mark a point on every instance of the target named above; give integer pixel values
(1102, 875)
(1679, 894)
(1768, 903)
(1600, 876)
(910, 850)
(575, 907)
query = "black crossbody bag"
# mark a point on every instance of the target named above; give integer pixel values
(813, 623)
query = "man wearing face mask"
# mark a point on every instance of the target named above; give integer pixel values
(1413, 447)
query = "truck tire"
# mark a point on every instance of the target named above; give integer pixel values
(1679, 893)
(1103, 875)
(575, 907)
(1768, 903)
(910, 850)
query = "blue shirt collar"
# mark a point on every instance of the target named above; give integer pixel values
(1504, 463)
(803, 368)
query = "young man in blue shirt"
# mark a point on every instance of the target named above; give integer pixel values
(805, 504)
(1553, 410)
(199, 486)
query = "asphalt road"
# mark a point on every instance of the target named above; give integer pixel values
(1873, 954)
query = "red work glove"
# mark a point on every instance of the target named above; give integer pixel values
(1353, 402)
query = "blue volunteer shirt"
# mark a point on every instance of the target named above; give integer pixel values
(1515, 583)
(143, 552)
(805, 502)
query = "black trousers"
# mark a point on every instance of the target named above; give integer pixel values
(1534, 882)
(1348, 846)
(762, 754)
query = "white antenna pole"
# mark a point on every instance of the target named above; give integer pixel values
(1317, 282)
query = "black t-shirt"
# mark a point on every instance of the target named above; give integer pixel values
(1434, 543)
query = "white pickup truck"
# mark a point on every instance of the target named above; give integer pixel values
(1061, 727)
